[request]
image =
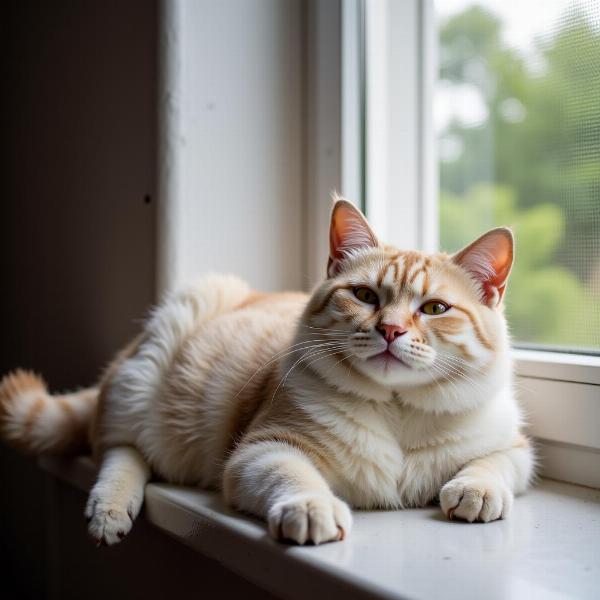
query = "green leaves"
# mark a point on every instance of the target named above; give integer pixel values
(533, 165)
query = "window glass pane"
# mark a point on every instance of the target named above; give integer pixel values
(517, 116)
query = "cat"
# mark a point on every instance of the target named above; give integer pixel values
(390, 386)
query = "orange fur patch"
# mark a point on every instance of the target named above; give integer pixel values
(476, 327)
(18, 382)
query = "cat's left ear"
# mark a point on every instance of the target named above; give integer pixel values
(489, 260)
(348, 232)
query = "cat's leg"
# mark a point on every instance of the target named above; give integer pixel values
(483, 490)
(117, 496)
(281, 484)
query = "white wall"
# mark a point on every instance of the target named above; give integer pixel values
(231, 121)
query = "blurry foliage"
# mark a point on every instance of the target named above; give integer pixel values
(539, 172)
(544, 299)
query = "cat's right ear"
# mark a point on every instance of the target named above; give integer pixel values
(488, 260)
(348, 232)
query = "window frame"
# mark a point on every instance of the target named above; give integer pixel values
(568, 440)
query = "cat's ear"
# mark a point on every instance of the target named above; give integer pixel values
(348, 232)
(489, 260)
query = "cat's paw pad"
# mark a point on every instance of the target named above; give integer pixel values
(471, 500)
(108, 521)
(310, 518)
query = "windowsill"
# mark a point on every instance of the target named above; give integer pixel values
(548, 548)
(539, 364)
(568, 441)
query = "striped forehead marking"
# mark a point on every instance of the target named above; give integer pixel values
(402, 275)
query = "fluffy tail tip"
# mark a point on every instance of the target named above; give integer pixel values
(22, 396)
(17, 382)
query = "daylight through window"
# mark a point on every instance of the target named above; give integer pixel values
(517, 118)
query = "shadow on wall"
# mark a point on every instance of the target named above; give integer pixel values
(77, 244)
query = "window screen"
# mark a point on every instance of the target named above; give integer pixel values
(517, 117)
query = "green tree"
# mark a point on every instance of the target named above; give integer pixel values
(534, 165)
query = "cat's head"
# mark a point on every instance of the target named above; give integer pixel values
(406, 319)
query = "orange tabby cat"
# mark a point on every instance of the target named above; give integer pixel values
(387, 387)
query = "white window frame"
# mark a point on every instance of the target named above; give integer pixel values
(216, 164)
(402, 187)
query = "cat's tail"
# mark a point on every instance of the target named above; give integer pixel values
(37, 422)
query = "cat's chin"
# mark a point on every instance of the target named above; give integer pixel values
(389, 370)
(386, 360)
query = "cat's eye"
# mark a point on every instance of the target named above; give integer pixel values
(434, 307)
(366, 295)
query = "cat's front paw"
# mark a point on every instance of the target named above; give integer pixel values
(310, 518)
(110, 517)
(471, 500)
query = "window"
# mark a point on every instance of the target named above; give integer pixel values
(467, 114)
(517, 125)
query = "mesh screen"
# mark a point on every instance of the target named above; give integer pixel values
(517, 113)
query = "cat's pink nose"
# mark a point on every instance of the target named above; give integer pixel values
(391, 332)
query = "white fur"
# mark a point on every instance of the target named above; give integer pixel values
(394, 438)
(117, 496)
(280, 483)
(134, 396)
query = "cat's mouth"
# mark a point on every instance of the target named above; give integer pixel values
(387, 360)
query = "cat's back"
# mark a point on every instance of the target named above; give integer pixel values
(235, 341)
(216, 383)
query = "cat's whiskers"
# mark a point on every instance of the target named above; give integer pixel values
(433, 373)
(436, 370)
(307, 344)
(324, 333)
(461, 361)
(460, 368)
(467, 364)
(455, 375)
(325, 356)
(329, 329)
(308, 355)
(350, 355)
(370, 350)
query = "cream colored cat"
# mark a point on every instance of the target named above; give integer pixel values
(390, 385)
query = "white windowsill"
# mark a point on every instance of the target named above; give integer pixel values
(547, 549)
(576, 368)
(560, 395)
